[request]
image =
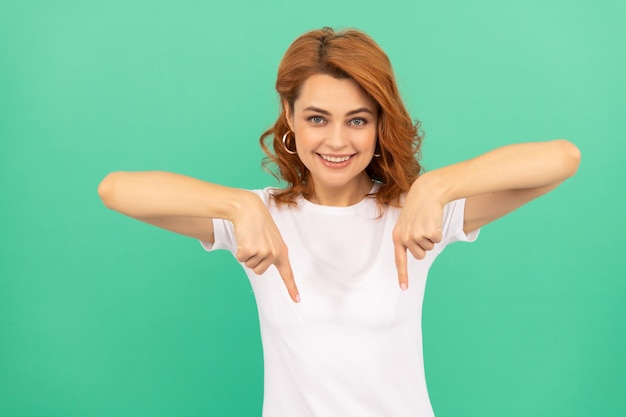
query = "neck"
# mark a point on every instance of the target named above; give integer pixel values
(344, 196)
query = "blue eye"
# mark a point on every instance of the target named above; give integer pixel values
(316, 120)
(358, 121)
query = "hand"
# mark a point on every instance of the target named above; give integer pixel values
(417, 230)
(260, 244)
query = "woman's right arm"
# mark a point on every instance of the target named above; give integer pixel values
(174, 202)
(187, 206)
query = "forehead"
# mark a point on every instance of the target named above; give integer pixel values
(333, 94)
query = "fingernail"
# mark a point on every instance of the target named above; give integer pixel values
(297, 298)
(403, 286)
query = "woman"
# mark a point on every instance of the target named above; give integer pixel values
(340, 231)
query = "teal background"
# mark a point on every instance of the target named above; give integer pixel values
(101, 315)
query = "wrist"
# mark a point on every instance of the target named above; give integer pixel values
(240, 202)
(431, 185)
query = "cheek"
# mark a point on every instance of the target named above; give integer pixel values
(367, 138)
(308, 137)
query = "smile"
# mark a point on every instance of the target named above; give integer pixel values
(335, 159)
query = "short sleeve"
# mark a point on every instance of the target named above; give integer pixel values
(224, 235)
(452, 228)
(224, 231)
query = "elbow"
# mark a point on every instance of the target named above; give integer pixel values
(570, 157)
(106, 190)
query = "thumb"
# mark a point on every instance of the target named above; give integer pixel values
(286, 273)
(400, 257)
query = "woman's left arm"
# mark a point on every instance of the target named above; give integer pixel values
(493, 184)
(504, 179)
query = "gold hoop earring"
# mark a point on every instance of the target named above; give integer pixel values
(285, 145)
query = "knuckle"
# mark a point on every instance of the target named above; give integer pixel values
(259, 269)
(428, 245)
(418, 253)
(244, 252)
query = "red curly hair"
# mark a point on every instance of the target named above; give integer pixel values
(346, 54)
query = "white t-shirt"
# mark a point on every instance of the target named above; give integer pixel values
(353, 345)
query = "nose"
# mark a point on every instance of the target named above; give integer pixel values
(337, 138)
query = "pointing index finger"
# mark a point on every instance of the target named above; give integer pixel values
(286, 273)
(400, 257)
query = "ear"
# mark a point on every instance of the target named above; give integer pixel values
(288, 114)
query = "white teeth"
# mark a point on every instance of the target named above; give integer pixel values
(335, 159)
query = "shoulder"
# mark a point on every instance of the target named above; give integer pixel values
(265, 194)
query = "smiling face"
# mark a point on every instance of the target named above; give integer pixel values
(335, 127)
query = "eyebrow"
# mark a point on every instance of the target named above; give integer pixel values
(350, 113)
